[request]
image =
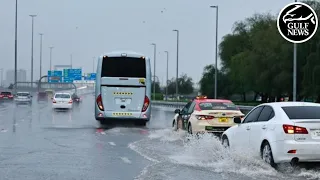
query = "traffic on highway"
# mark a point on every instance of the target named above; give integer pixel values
(252, 114)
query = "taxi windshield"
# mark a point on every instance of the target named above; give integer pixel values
(217, 106)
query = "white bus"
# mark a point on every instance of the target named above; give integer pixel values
(123, 88)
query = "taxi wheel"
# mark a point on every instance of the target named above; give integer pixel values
(189, 128)
(174, 125)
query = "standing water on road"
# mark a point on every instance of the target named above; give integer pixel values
(175, 157)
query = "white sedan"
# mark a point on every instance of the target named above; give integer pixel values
(62, 101)
(23, 98)
(280, 132)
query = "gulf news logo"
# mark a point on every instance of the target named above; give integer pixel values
(297, 22)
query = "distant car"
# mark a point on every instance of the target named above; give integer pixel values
(76, 98)
(23, 98)
(62, 101)
(6, 95)
(279, 132)
(206, 115)
(42, 96)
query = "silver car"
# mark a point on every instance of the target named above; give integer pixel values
(23, 98)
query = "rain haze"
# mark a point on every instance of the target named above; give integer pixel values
(86, 29)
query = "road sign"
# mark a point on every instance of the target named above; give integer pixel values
(54, 76)
(90, 76)
(70, 75)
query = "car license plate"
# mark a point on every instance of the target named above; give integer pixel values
(223, 120)
(5, 97)
(123, 100)
(316, 133)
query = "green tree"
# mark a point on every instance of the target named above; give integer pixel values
(185, 85)
(158, 89)
(207, 83)
(255, 57)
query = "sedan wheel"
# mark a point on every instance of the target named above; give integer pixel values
(267, 154)
(225, 142)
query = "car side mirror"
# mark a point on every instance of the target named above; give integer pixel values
(237, 120)
(177, 111)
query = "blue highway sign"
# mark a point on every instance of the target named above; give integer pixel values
(54, 76)
(90, 76)
(70, 75)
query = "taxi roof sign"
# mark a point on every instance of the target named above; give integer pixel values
(201, 97)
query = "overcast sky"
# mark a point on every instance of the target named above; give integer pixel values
(86, 29)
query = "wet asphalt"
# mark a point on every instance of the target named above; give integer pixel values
(38, 143)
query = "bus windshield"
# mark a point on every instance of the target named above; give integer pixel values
(123, 67)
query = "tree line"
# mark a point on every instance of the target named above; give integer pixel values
(255, 57)
(185, 86)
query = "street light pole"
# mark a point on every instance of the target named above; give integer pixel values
(32, 17)
(294, 94)
(177, 70)
(93, 64)
(167, 74)
(51, 57)
(216, 55)
(1, 76)
(71, 60)
(154, 70)
(16, 49)
(41, 34)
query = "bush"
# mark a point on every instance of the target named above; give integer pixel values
(158, 96)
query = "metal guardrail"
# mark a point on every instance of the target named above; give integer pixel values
(180, 105)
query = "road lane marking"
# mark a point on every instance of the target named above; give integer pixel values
(125, 160)
(133, 147)
(112, 143)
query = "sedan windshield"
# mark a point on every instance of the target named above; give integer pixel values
(5, 93)
(22, 94)
(66, 96)
(302, 112)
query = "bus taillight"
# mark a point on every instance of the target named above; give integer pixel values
(99, 102)
(145, 104)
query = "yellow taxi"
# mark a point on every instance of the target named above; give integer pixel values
(206, 115)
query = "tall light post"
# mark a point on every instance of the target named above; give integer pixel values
(1, 69)
(177, 70)
(216, 55)
(93, 64)
(71, 60)
(167, 74)
(154, 69)
(16, 49)
(51, 47)
(294, 93)
(41, 34)
(32, 17)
